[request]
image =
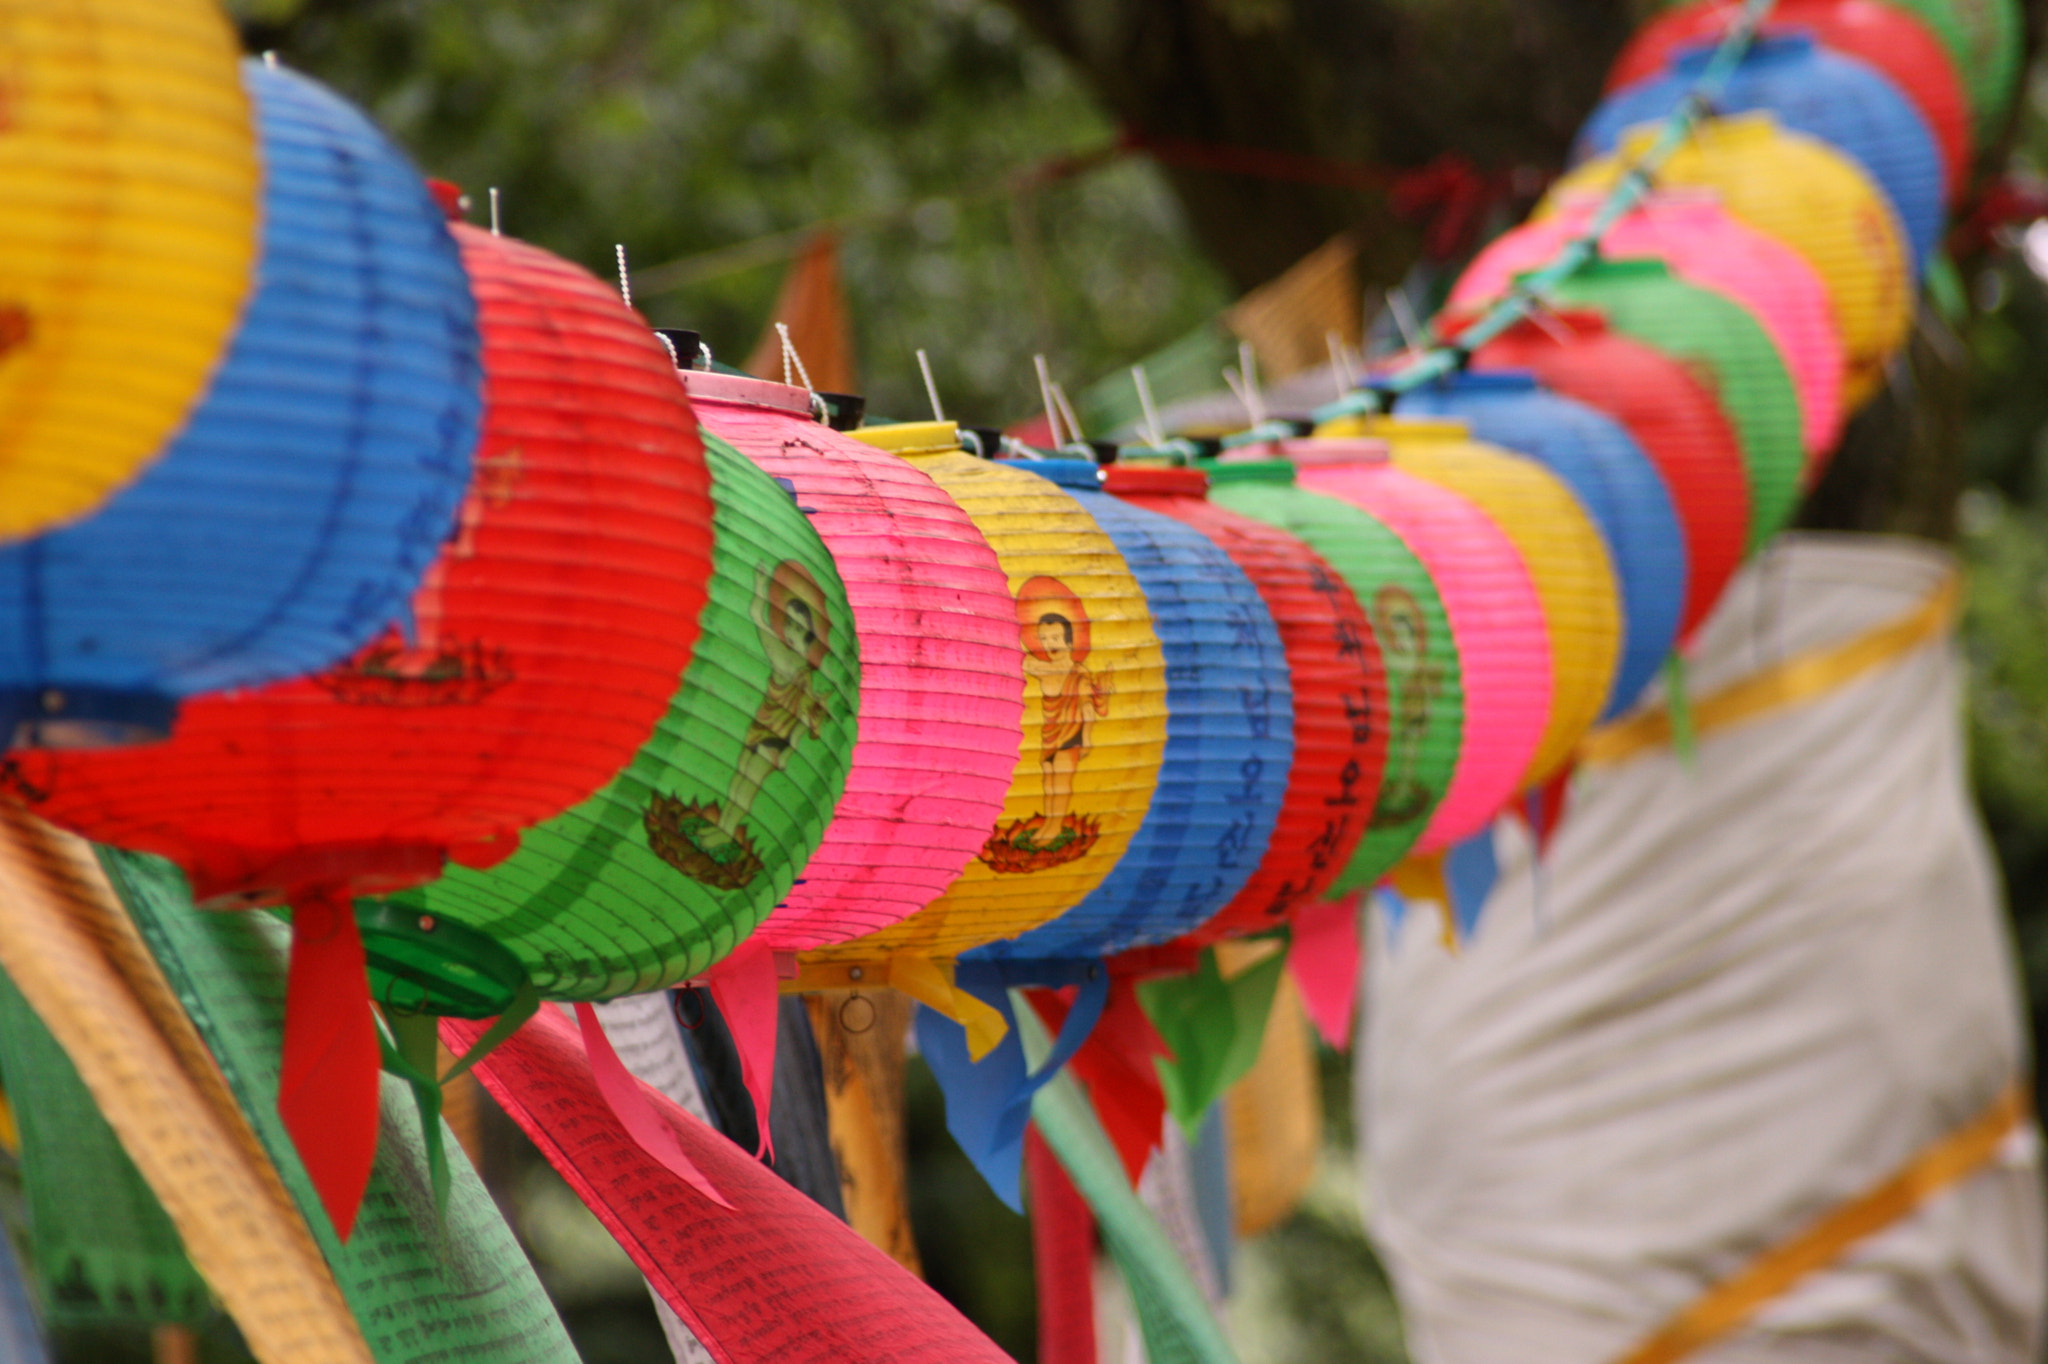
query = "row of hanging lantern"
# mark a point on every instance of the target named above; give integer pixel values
(534, 690)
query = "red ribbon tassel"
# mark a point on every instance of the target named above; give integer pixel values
(327, 1093)
(1063, 1256)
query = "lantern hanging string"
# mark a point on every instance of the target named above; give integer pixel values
(1523, 300)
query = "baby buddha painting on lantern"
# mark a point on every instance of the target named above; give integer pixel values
(1053, 627)
(709, 841)
(1413, 682)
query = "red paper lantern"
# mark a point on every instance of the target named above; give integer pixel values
(1883, 35)
(1670, 413)
(547, 641)
(1340, 697)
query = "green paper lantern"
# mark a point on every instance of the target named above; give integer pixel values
(1426, 696)
(1719, 339)
(665, 870)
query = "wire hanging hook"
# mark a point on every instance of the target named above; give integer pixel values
(931, 387)
(791, 358)
(1052, 411)
(1059, 395)
(1155, 433)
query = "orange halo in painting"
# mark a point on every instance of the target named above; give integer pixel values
(1042, 596)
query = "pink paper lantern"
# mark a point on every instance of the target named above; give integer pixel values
(1708, 247)
(942, 673)
(1496, 620)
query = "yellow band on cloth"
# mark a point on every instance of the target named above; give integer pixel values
(1800, 678)
(1728, 1304)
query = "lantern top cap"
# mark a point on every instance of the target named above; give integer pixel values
(1731, 130)
(1620, 267)
(1769, 46)
(1692, 200)
(911, 438)
(1139, 478)
(1323, 452)
(741, 390)
(1485, 381)
(1557, 323)
(1243, 467)
(1392, 427)
(1080, 474)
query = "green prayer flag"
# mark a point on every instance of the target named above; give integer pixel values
(425, 1289)
(106, 1251)
(1213, 1027)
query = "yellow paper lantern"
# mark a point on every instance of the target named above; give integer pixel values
(128, 231)
(1807, 195)
(1561, 545)
(1053, 844)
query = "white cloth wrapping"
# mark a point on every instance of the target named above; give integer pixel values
(643, 1032)
(1737, 994)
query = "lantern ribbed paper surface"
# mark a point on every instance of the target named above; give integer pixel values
(1560, 546)
(1671, 414)
(1812, 198)
(546, 639)
(128, 209)
(942, 673)
(1643, 299)
(1423, 714)
(1229, 738)
(1611, 477)
(1094, 714)
(1339, 688)
(680, 856)
(545, 644)
(1709, 248)
(1496, 619)
(295, 514)
(1810, 90)
(1884, 36)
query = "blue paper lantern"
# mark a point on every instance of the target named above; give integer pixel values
(1813, 90)
(1229, 740)
(1229, 749)
(298, 510)
(1613, 479)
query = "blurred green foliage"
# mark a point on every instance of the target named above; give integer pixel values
(681, 129)
(2005, 630)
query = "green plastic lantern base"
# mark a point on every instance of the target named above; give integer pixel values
(430, 963)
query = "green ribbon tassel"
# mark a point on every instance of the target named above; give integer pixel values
(1173, 1315)
(107, 1253)
(1678, 702)
(1213, 1026)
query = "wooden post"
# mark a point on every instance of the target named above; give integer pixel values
(174, 1345)
(861, 1035)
